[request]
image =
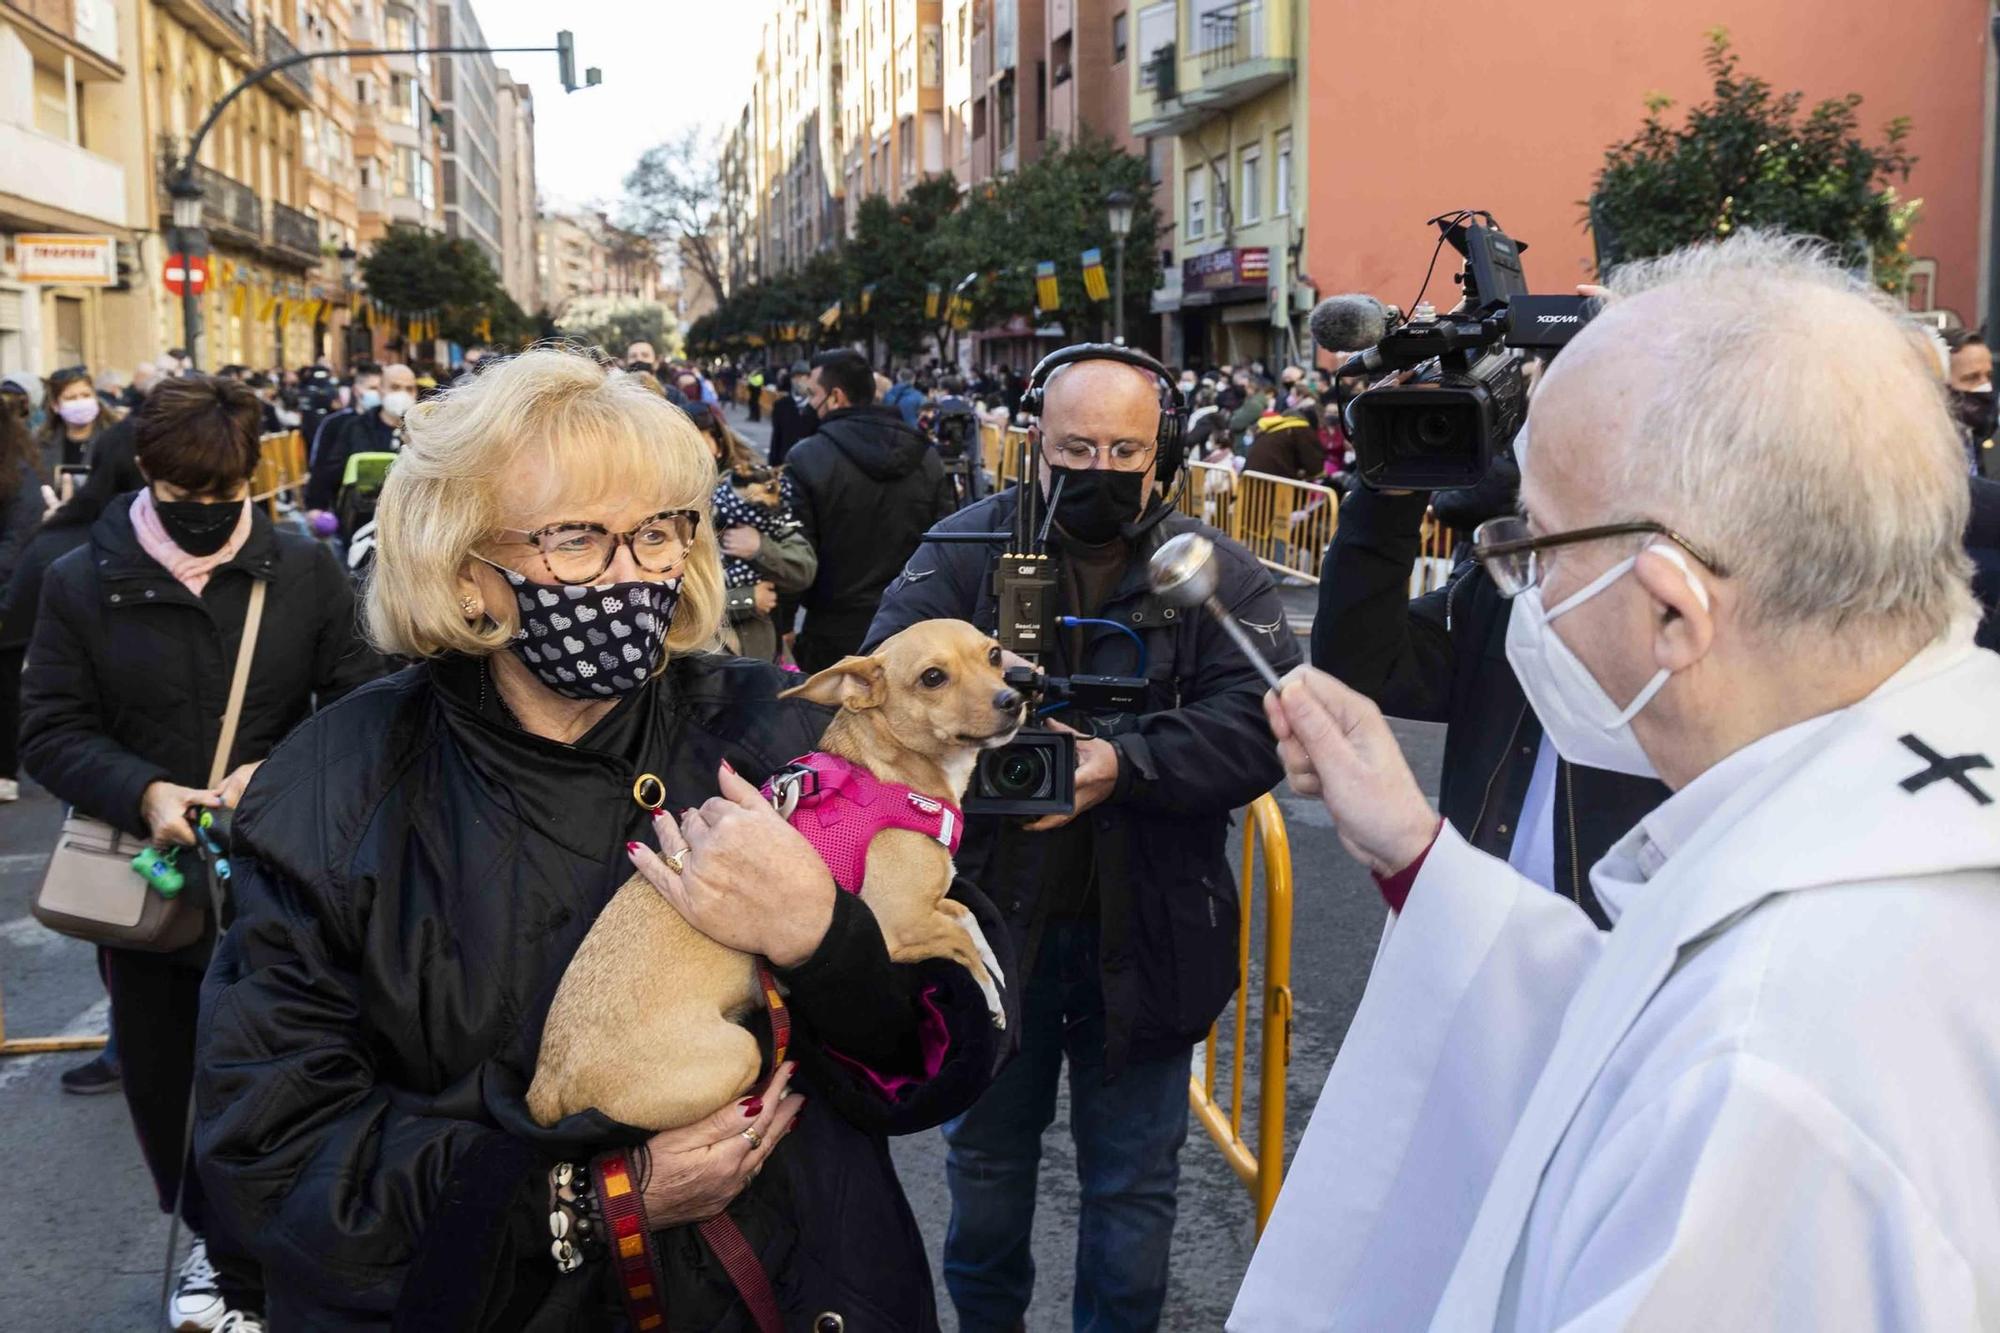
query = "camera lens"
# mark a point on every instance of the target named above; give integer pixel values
(1435, 429)
(1016, 773)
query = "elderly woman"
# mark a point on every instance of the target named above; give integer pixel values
(416, 866)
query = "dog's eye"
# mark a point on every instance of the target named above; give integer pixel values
(993, 658)
(932, 678)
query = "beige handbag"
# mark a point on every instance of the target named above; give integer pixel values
(91, 892)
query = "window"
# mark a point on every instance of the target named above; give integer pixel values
(1118, 38)
(1250, 184)
(1218, 189)
(1159, 159)
(906, 135)
(1004, 111)
(979, 118)
(1197, 203)
(1282, 179)
(1060, 53)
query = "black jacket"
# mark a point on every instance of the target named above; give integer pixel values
(1166, 899)
(340, 436)
(413, 874)
(1443, 658)
(20, 519)
(865, 488)
(128, 672)
(791, 421)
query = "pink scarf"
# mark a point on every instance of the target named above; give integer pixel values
(191, 570)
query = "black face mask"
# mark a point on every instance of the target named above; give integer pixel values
(1096, 503)
(196, 527)
(1977, 413)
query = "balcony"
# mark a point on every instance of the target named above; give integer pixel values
(294, 235)
(223, 24)
(293, 85)
(84, 29)
(57, 174)
(1231, 54)
(230, 210)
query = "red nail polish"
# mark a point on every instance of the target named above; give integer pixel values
(747, 1101)
(727, 767)
(753, 1108)
(633, 847)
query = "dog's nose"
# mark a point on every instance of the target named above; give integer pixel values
(1007, 701)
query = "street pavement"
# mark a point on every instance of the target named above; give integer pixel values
(86, 1242)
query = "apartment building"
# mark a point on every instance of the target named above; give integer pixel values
(582, 255)
(891, 97)
(1221, 81)
(516, 105)
(782, 160)
(468, 94)
(76, 179)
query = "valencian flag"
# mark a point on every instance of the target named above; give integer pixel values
(1048, 294)
(932, 294)
(1094, 284)
(867, 297)
(830, 316)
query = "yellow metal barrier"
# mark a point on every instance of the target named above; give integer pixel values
(1434, 564)
(1261, 1169)
(1006, 456)
(281, 467)
(1286, 524)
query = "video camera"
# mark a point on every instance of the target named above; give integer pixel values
(1442, 427)
(1035, 773)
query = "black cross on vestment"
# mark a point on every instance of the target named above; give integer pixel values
(1942, 768)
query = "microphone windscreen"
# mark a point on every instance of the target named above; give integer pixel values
(1349, 322)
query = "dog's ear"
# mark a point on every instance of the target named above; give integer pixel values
(852, 682)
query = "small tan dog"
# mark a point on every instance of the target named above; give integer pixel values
(646, 1025)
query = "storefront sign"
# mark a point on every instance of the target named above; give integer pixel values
(68, 261)
(1226, 270)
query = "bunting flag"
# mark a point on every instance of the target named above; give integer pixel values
(265, 308)
(755, 339)
(283, 311)
(867, 297)
(932, 295)
(239, 300)
(1094, 284)
(1048, 294)
(830, 317)
(483, 330)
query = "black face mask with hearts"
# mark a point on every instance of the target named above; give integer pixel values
(599, 642)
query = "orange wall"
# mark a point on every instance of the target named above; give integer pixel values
(1422, 108)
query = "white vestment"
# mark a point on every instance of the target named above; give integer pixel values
(1768, 1098)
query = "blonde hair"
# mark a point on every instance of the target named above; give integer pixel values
(602, 435)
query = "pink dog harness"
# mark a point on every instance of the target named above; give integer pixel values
(840, 807)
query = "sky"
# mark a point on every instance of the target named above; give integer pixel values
(667, 64)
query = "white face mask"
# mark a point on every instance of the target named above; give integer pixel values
(368, 400)
(398, 402)
(1580, 719)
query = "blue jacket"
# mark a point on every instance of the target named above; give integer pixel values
(907, 399)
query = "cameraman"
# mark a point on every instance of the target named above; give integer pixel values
(1443, 658)
(1124, 913)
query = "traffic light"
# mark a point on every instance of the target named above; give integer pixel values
(566, 59)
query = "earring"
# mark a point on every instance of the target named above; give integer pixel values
(467, 605)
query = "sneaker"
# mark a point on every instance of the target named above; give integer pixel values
(10, 789)
(92, 1077)
(240, 1321)
(197, 1305)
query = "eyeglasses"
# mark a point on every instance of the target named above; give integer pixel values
(1508, 551)
(579, 553)
(1125, 455)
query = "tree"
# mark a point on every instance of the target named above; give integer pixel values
(897, 249)
(412, 272)
(615, 323)
(673, 197)
(1749, 159)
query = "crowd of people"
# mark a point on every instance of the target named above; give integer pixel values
(1711, 629)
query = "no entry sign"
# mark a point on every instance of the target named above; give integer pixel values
(182, 272)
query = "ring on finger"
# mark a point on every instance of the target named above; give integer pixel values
(676, 862)
(756, 1139)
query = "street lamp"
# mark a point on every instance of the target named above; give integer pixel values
(1119, 206)
(347, 259)
(187, 206)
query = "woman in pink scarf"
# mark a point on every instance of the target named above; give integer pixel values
(135, 643)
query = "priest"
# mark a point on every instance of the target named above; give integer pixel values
(1769, 1096)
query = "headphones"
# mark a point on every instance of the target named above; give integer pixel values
(1173, 405)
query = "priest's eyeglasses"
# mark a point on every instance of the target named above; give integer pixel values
(1509, 551)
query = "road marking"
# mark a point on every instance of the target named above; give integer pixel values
(19, 861)
(92, 1022)
(24, 932)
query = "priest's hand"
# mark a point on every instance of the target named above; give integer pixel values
(1336, 746)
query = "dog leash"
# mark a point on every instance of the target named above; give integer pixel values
(635, 1258)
